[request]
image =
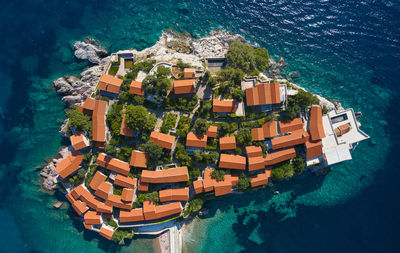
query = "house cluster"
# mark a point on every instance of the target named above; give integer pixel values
(111, 191)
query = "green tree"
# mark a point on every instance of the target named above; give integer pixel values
(248, 59)
(136, 117)
(163, 72)
(195, 205)
(283, 171)
(238, 94)
(201, 126)
(218, 174)
(244, 182)
(299, 164)
(151, 122)
(78, 120)
(244, 136)
(181, 155)
(155, 152)
(114, 118)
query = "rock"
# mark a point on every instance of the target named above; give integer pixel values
(294, 74)
(57, 204)
(62, 86)
(90, 50)
(72, 99)
(281, 63)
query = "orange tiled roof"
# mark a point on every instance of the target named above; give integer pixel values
(113, 164)
(103, 208)
(227, 143)
(314, 149)
(127, 195)
(295, 138)
(184, 86)
(69, 165)
(88, 106)
(79, 207)
(342, 129)
(181, 194)
(196, 140)
(253, 151)
(106, 232)
(262, 94)
(316, 127)
(162, 140)
(260, 179)
(142, 186)
(212, 131)
(173, 175)
(78, 141)
(124, 130)
(257, 134)
(98, 121)
(234, 179)
(290, 126)
(132, 215)
(256, 163)
(198, 186)
(189, 72)
(136, 88)
(223, 187)
(87, 226)
(208, 182)
(92, 218)
(97, 179)
(110, 83)
(103, 190)
(125, 181)
(152, 212)
(232, 162)
(138, 159)
(280, 156)
(224, 105)
(116, 200)
(270, 129)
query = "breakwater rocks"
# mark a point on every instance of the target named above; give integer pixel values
(90, 49)
(49, 173)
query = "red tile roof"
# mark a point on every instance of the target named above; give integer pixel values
(260, 179)
(196, 140)
(125, 181)
(110, 83)
(208, 182)
(106, 232)
(184, 86)
(173, 175)
(79, 207)
(224, 105)
(116, 201)
(189, 72)
(103, 190)
(270, 129)
(132, 215)
(257, 134)
(113, 164)
(153, 212)
(254, 151)
(92, 218)
(342, 129)
(78, 141)
(162, 140)
(295, 138)
(256, 163)
(232, 162)
(142, 186)
(262, 94)
(314, 149)
(124, 130)
(316, 127)
(88, 106)
(136, 88)
(280, 156)
(98, 121)
(223, 187)
(69, 165)
(97, 179)
(138, 159)
(290, 126)
(181, 194)
(127, 195)
(198, 186)
(227, 143)
(212, 131)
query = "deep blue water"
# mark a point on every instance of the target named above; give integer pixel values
(347, 50)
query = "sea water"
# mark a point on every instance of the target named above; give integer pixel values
(345, 50)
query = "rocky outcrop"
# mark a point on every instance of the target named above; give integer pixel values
(75, 89)
(89, 49)
(49, 172)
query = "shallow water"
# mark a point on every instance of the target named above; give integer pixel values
(343, 50)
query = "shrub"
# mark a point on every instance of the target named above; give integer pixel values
(180, 64)
(114, 118)
(218, 174)
(299, 165)
(168, 122)
(78, 120)
(246, 58)
(195, 205)
(201, 126)
(244, 182)
(244, 136)
(283, 171)
(155, 152)
(112, 223)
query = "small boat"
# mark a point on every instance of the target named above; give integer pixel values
(276, 192)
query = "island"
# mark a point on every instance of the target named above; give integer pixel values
(155, 133)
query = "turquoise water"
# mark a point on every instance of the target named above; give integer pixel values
(340, 53)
